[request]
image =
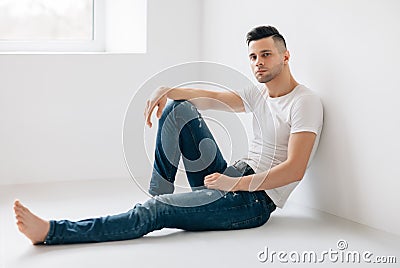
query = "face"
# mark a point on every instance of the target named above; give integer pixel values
(266, 60)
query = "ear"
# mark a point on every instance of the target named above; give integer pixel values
(286, 57)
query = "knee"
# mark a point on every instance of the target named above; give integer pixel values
(180, 108)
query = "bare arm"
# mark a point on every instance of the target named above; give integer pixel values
(201, 98)
(291, 170)
(207, 99)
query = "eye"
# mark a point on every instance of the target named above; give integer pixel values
(266, 54)
(253, 57)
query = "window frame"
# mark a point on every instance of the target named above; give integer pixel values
(57, 46)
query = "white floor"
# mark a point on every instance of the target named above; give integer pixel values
(294, 230)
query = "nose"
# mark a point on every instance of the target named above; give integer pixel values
(259, 62)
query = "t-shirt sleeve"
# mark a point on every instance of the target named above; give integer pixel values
(307, 114)
(249, 97)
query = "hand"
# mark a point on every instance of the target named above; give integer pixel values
(221, 182)
(159, 99)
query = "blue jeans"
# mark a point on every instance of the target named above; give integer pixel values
(182, 133)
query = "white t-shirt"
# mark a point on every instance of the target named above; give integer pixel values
(274, 119)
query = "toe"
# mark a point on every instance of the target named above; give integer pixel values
(18, 211)
(21, 226)
(19, 218)
(17, 203)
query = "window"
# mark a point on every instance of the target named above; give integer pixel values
(30, 20)
(73, 26)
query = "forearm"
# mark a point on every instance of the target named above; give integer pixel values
(182, 93)
(277, 176)
(201, 98)
(207, 99)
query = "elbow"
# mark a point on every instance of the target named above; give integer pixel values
(296, 170)
(298, 174)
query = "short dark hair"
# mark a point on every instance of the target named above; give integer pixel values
(263, 32)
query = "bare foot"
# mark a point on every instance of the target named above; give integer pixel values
(30, 225)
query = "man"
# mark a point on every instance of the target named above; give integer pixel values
(289, 119)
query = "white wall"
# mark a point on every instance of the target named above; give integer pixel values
(124, 25)
(61, 115)
(347, 51)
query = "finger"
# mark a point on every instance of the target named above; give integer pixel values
(161, 107)
(159, 111)
(209, 177)
(210, 181)
(145, 109)
(211, 186)
(148, 118)
(212, 175)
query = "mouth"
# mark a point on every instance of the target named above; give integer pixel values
(260, 71)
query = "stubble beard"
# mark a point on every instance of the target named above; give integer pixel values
(268, 76)
(265, 79)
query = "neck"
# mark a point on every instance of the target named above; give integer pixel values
(281, 85)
